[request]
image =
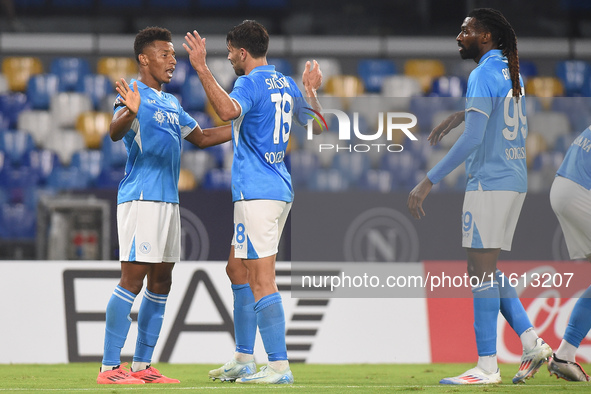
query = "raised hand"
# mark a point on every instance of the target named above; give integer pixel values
(312, 77)
(195, 47)
(130, 98)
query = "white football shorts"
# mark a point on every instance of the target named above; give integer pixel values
(149, 232)
(571, 203)
(489, 218)
(258, 225)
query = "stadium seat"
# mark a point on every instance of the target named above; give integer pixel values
(402, 168)
(535, 144)
(192, 94)
(376, 180)
(551, 125)
(90, 163)
(328, 180)
(403, 88)
(186, 180)
(40, 89)
(117, 67)
(424, 108)
(114, 153)
(17, 222)
(43, 162)
(344, 86)
(64, 178)
(576, 108)
(182, 71)
(451, 138)
(217, 179)
(198, 162)
(352, 166)
(16, 145)
(455, 180)
(65, 143)
(223, 72)
(11, 105)
(93, 126)
(449, 86)
(65, 107)
(545, 88)
(573, 74)
(97, 87)
(425, 70)
(110, 178)
(527, 69)
(70, 71)
(37, 123)
(4, 88)
(303, 164)
(373, 71)
(18, 70)
(325, 158)
(282, 65)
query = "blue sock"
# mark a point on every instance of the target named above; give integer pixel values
(149, 322)
(486, 311)
(511, 306)
(579, 322)
(245, 320)
(271, 322)
(118, 322)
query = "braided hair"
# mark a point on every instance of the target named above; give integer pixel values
(504, 36)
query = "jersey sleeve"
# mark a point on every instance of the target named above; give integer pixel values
(244, 93)
(186, 121)
(479, 95)
(300, 105)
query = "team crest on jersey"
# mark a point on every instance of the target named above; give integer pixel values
(159, 117)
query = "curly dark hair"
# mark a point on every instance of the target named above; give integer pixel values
(250, 35)
(491, 20)
(147, 36)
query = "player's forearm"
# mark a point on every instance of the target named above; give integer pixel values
(121, 124)
(312, 100)
(220, 100)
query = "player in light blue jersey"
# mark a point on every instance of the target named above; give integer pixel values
(152, 124)
(493, 148)
(570, 197)
(262, 106)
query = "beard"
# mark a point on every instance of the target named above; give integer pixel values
(238, 71)
(470, 52)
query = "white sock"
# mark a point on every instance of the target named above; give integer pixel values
(243, 357)
(279, 365)
(108, 367)
(566, 351)
(488, 363)
(528, 339)
(139, 366)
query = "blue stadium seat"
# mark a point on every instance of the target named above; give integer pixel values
(303, 164)
(70, 71)
(16, 145)
(90, 163)
(217, 179)
(352, 165)
(11, 105)
(449, 86)
(403, 167)
(182, 70)
(192, 94)
(64, 178)
(43, 162)
(573, 74)
(114, 153)
(576, 108)
(281, 65)
(376, 180)
(110, 178)
(527, 69)
(425, 107)
(328, 180)
(373, 71)
(219, 152)
(40, 89)
(97, 87)
(17, 222)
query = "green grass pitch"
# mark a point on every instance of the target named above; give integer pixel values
(309, 378)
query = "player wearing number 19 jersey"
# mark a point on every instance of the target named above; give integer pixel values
(493, 147)
(262, 106)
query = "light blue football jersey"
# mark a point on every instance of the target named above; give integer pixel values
(269, 102)
(576, 165)
(499, 162)
(153, 147)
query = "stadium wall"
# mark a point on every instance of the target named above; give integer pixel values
(59, 316)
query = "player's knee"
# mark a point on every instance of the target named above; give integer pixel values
(134, 285)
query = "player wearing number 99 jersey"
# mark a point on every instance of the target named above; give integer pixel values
(493, 147)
